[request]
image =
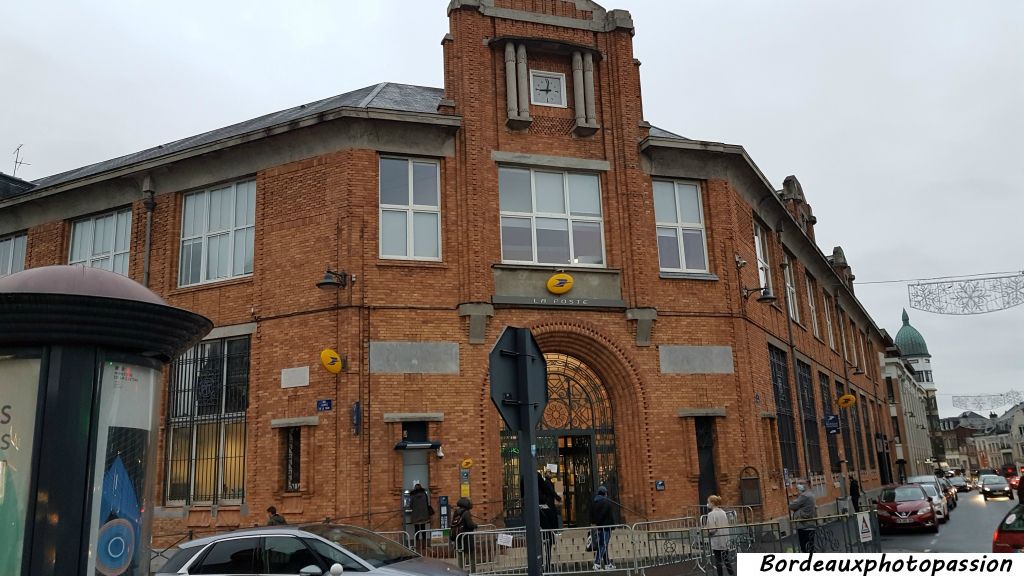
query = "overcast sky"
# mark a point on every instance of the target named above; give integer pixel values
(902, 120)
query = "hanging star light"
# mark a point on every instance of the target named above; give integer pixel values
(966, 297)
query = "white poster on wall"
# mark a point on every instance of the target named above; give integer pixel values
(19, 394)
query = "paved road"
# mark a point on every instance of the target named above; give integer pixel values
(969, 528)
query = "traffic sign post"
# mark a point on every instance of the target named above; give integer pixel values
(519, 392)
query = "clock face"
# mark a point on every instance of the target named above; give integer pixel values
(547, 90)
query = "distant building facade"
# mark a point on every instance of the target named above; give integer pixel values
(908, 409)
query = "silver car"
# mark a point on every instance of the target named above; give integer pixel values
(303, 550)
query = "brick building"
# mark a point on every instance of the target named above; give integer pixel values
(704, 338)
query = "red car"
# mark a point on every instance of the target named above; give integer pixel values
(1014, 480)
(1009, 535)
(907, 506)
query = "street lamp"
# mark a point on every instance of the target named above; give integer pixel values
(334, 279)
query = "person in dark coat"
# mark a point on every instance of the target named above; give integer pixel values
(419, 501)
(462, 523)
(855, 493)
(273, 518)
(602, 515)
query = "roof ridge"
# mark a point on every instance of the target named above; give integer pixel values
(373, 94)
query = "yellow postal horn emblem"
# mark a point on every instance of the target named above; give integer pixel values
(560, 283)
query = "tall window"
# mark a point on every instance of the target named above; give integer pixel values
(784, 410)
(826, 303)
(791, 292)
(869, 435)
(292, 458)
(679, 213)
(812, 304)
(827, 409)
(857, 435)
(207, 396)
(810, 417)
(844, 417)
(550, 217)
(12, 253)
(410, 209)
(842, 336)
(764, 270)
(217, 232)
(103, 241)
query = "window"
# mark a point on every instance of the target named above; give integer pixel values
(827, 305)
(237, 556)
(764, 271)
(855, 415)
(103, 241)
(12, 254)
(207, 398)
(217, 232)
(868, 433)
(547, 88)
(842, 336)
(410, 209)
(805, 387)
(784, 411)
(335, 556)
(550, 217)
(791, 293)
(844, 417)
(828, 410)
(287, 555)
(679, 214)
(811, 303)
(292, 459)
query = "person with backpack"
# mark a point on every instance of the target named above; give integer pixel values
(602, 516)
(462, 523)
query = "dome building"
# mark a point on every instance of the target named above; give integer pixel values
(915, 350)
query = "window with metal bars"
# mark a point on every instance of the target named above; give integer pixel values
(855, 415)
(810, 418)
(207, 397)
(868, 433)
(784, 411)
(292, 459)
(828, 410)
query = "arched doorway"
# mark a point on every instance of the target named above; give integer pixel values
(576, 436)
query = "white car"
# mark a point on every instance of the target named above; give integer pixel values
(938, 501)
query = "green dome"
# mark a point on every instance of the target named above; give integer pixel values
(909, 340)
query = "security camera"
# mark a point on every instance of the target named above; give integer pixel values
(440, 452)
(740, 262)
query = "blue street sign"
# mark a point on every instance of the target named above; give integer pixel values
(832, 425)
(324, 405)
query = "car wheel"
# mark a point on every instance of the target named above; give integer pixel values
(986, 498)
(934, 529)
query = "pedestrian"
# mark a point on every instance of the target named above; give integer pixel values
(462, 523)
(602, 516)
(855, 493)
(548, 514)
(273, 518)
(419, 502)
(804, 508)
(552, 496)
(718, 529)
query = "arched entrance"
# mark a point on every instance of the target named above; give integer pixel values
(576, 435)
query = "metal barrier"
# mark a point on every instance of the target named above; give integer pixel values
(400, 536)
(742, 514)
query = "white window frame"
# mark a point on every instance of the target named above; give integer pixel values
(567, 216)
(410, 210)
(827, 305)
(11, 248)
(764, 266)
(842, 336)
(792, 302)
(557, 75)
(205, 235)
(92, 259)
(679, 226)
(812, 305)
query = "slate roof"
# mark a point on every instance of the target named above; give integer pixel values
(11, 186)
(383, 96)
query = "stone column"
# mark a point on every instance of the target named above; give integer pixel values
(511, 96)
(588, 84)
(523, 81)
(577, 88)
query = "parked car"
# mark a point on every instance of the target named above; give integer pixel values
(996, 486)
(303, 550)
(960, 484)
(905, 507)
(1009, 534)
(938, 500)
(1014, 480)
(941, 484)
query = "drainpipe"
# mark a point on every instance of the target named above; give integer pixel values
(792, 354)
(150, 204)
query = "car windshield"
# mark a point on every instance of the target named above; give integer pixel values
(930, 490)
(902, 494)
(994, 481)
(372, 548)
(922, 480)
(957, 481)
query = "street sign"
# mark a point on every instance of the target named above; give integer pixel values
(864, 526)
(510, 390)
(832, 425)
(324, 405)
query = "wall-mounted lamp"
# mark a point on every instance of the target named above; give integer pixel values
(766, 296)
(334, 279)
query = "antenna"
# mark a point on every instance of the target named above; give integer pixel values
(17, 160)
